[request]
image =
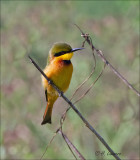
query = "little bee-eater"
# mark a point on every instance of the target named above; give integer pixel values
(59, 69)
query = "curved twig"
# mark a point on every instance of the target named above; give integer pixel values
(76, 110)
(99, 53)
(90, 86)
(62, 119)
(71, 146)
(94, 67)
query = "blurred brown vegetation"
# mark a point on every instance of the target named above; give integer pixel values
(110, 106)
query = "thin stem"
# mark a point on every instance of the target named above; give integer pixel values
(49, 144)
(76, 110)
(99, 53)
(88, 76)
(89, 87)
(71, 146)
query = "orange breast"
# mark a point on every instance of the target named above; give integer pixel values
(60, 72)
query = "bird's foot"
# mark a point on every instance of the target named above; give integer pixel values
(60, 94)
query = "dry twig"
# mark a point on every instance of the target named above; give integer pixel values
(89, 87)
(62, 119)
(77, 89)
(99, 53)
(88, 76)
(71, 146)
(76, 110)
(49, 144)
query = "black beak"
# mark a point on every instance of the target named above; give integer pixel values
(76, 49)
(64, 52)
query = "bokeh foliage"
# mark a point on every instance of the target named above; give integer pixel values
(110, 106)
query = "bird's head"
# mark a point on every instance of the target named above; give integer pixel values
(61, 51)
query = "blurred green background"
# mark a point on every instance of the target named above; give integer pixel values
(110, 106)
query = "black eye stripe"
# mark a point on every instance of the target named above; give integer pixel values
(61, 53)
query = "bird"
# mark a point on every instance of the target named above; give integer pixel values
(59, 69)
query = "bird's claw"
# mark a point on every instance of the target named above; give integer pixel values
(60, 94)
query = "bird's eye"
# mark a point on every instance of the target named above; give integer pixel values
(61, 53)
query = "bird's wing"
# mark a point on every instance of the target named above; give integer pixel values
(46, 95)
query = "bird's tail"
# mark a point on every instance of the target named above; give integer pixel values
(47, 114)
